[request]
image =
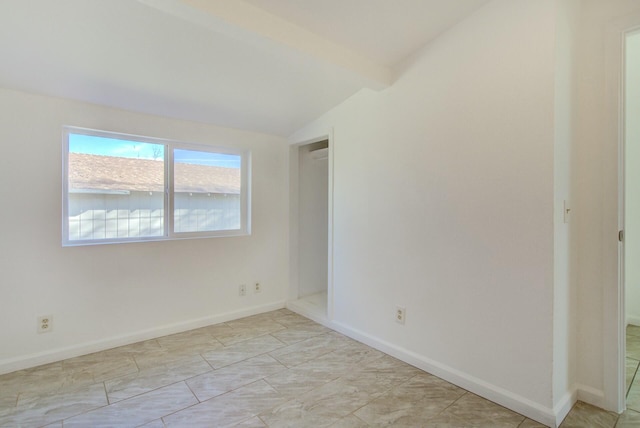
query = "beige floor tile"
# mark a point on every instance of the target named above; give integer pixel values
(477, 412)
(241, 333)
(583, 415)
(218, 329)
(633, 399)
(137, 411)
(241, 351)
(153, 424)
(325, 368)
(254, 422)
(298, 333)
(167, 358)
(289, 319)
(328, 403)
(528, 423)
(631, 368)
(380, 375)
(633, 396)
(147, 380)
(294, 414)
(38, 409)
(46, 378)
(309, 349)
(218, 382)
(260, 322)
(101, 366)
(350, 421)
(343, 360)
(200, 340)
(134, 349)
(8, 400)
(633, 330)
(447, 420)
(228, 409)
(629, 419)
(411, 403)
(633, 347)
(296, 381)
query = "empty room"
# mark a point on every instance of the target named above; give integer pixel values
(311, 213)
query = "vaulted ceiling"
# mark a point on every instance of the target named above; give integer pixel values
(261, 65)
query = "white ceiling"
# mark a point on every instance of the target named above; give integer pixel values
(262, 65)
(386, 31)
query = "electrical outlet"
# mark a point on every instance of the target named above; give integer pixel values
(400, 314)
(45, 324)
(257, 288)
(242, 290)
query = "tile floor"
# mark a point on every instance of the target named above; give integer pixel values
(276, 369)
(584, 415)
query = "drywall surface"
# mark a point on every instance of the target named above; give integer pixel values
(632, 179)
(444, 199)
(313, 179)
(112, 293)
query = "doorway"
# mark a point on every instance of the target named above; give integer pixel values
(631, 206)
(310, 234)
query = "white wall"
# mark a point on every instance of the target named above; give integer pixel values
(111, 294)
(632, 180)
(444, 204)
(313, 179)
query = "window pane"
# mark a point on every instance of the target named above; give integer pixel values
(116, 188)
(206, 191)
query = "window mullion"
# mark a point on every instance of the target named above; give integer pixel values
(169, 191)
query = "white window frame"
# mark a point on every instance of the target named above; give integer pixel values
(168, 222)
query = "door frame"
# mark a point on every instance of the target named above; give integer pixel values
(614, 320)
(293, 220)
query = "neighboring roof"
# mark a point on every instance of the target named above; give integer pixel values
(94, 172)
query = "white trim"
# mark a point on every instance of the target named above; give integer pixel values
(294, 227)
(517, 403)
(294, 176)
(33, 360)
(302, 309)
(330, 282)
(590, 395)
(562, 409)
(614, 322)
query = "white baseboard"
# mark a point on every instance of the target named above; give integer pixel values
(522, 405)
(299, 307)
(564, 406)
(590, 395)
(33, 360)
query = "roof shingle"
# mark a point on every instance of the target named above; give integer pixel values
(95, 172)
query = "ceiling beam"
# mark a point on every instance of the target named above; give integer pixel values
(257, 27)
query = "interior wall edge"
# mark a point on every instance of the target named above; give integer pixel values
(54, 355)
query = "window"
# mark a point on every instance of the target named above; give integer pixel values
(124, 188)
